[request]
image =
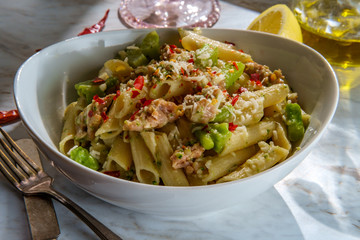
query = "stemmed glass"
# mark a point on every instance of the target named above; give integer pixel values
(169, 13)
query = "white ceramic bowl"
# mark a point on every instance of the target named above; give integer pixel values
(44, 86)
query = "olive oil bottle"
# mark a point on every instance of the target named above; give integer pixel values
(332, 27)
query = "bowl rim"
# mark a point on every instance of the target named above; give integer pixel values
(30, 128)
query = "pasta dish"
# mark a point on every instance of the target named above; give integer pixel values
(196, 113)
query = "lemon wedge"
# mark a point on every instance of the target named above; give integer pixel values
(280, 20)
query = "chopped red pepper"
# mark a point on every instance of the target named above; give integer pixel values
(134, 94)
(133, 116)
(235, 65)
(183, 72)
(191, 60)
(104, 116)
(172, 47)
(241, 90)
(258, 82)
(232, 127)
(113, 173)
(255, 77)
(241, 50)
(98, 81)
(117, 95)
(8, 116)
(96, 27)
(98, 99)
(145, 102)
(139, 82)
(234, 100)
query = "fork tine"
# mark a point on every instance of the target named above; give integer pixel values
(27, 164)
(8, 171)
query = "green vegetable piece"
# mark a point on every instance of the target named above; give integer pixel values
(295, 125)
(232, 72)
(204, 139)
(111, 84)
(207, 56)
(220, 134)
(88, 90)
(224, 114)
(215, 136)
(136, 57)
(150, 46)
(82, 156)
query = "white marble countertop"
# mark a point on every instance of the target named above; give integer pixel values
(320, 199)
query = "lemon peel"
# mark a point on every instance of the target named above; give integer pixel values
(280, 20)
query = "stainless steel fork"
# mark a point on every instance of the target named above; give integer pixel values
(29, 179)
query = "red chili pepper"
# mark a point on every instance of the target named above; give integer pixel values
(96, 27)
(139, 82)
(234, 100)
(191, 60)
(134, 94)
(232, 127)
(241, 50)
(8, 116)
(98, 99)
(112, 173)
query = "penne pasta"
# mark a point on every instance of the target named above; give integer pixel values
(246, 136)
(267, 157)
(125, 104)
(121, 154)
(280, 137)
(110, 128)
(218, 166)
(68, 131)
(192, 41)
(145, 168)
(170, 88)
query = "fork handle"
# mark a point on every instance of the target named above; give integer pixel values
(100, 229)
